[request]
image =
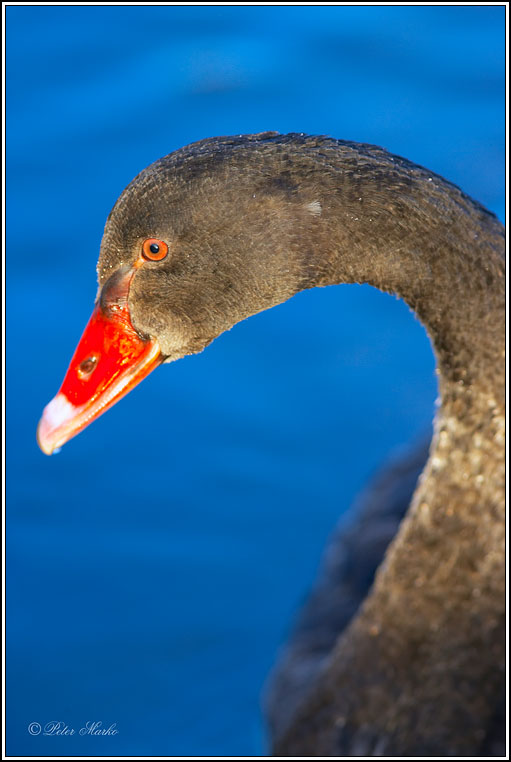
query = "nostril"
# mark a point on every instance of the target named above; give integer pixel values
(87, 366)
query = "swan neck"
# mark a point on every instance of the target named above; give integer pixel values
(432, 627)
(443, 254)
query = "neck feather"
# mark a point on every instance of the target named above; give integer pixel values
(419, 668)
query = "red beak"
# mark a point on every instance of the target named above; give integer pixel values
(110, 359)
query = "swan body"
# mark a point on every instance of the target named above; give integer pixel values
(248, 221)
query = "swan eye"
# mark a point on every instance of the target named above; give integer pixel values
(154, 249)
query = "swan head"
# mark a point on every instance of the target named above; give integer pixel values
(198, 241)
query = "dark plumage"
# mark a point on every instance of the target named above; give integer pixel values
(353, 554)
(251, 220)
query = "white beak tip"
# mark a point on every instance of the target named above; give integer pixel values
(51, 428)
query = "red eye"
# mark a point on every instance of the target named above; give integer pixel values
(154, 249)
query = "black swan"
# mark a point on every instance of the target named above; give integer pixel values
(230, 226)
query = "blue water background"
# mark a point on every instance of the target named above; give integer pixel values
(154, 566)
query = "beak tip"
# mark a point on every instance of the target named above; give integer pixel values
(51, 428)
(42, 440)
